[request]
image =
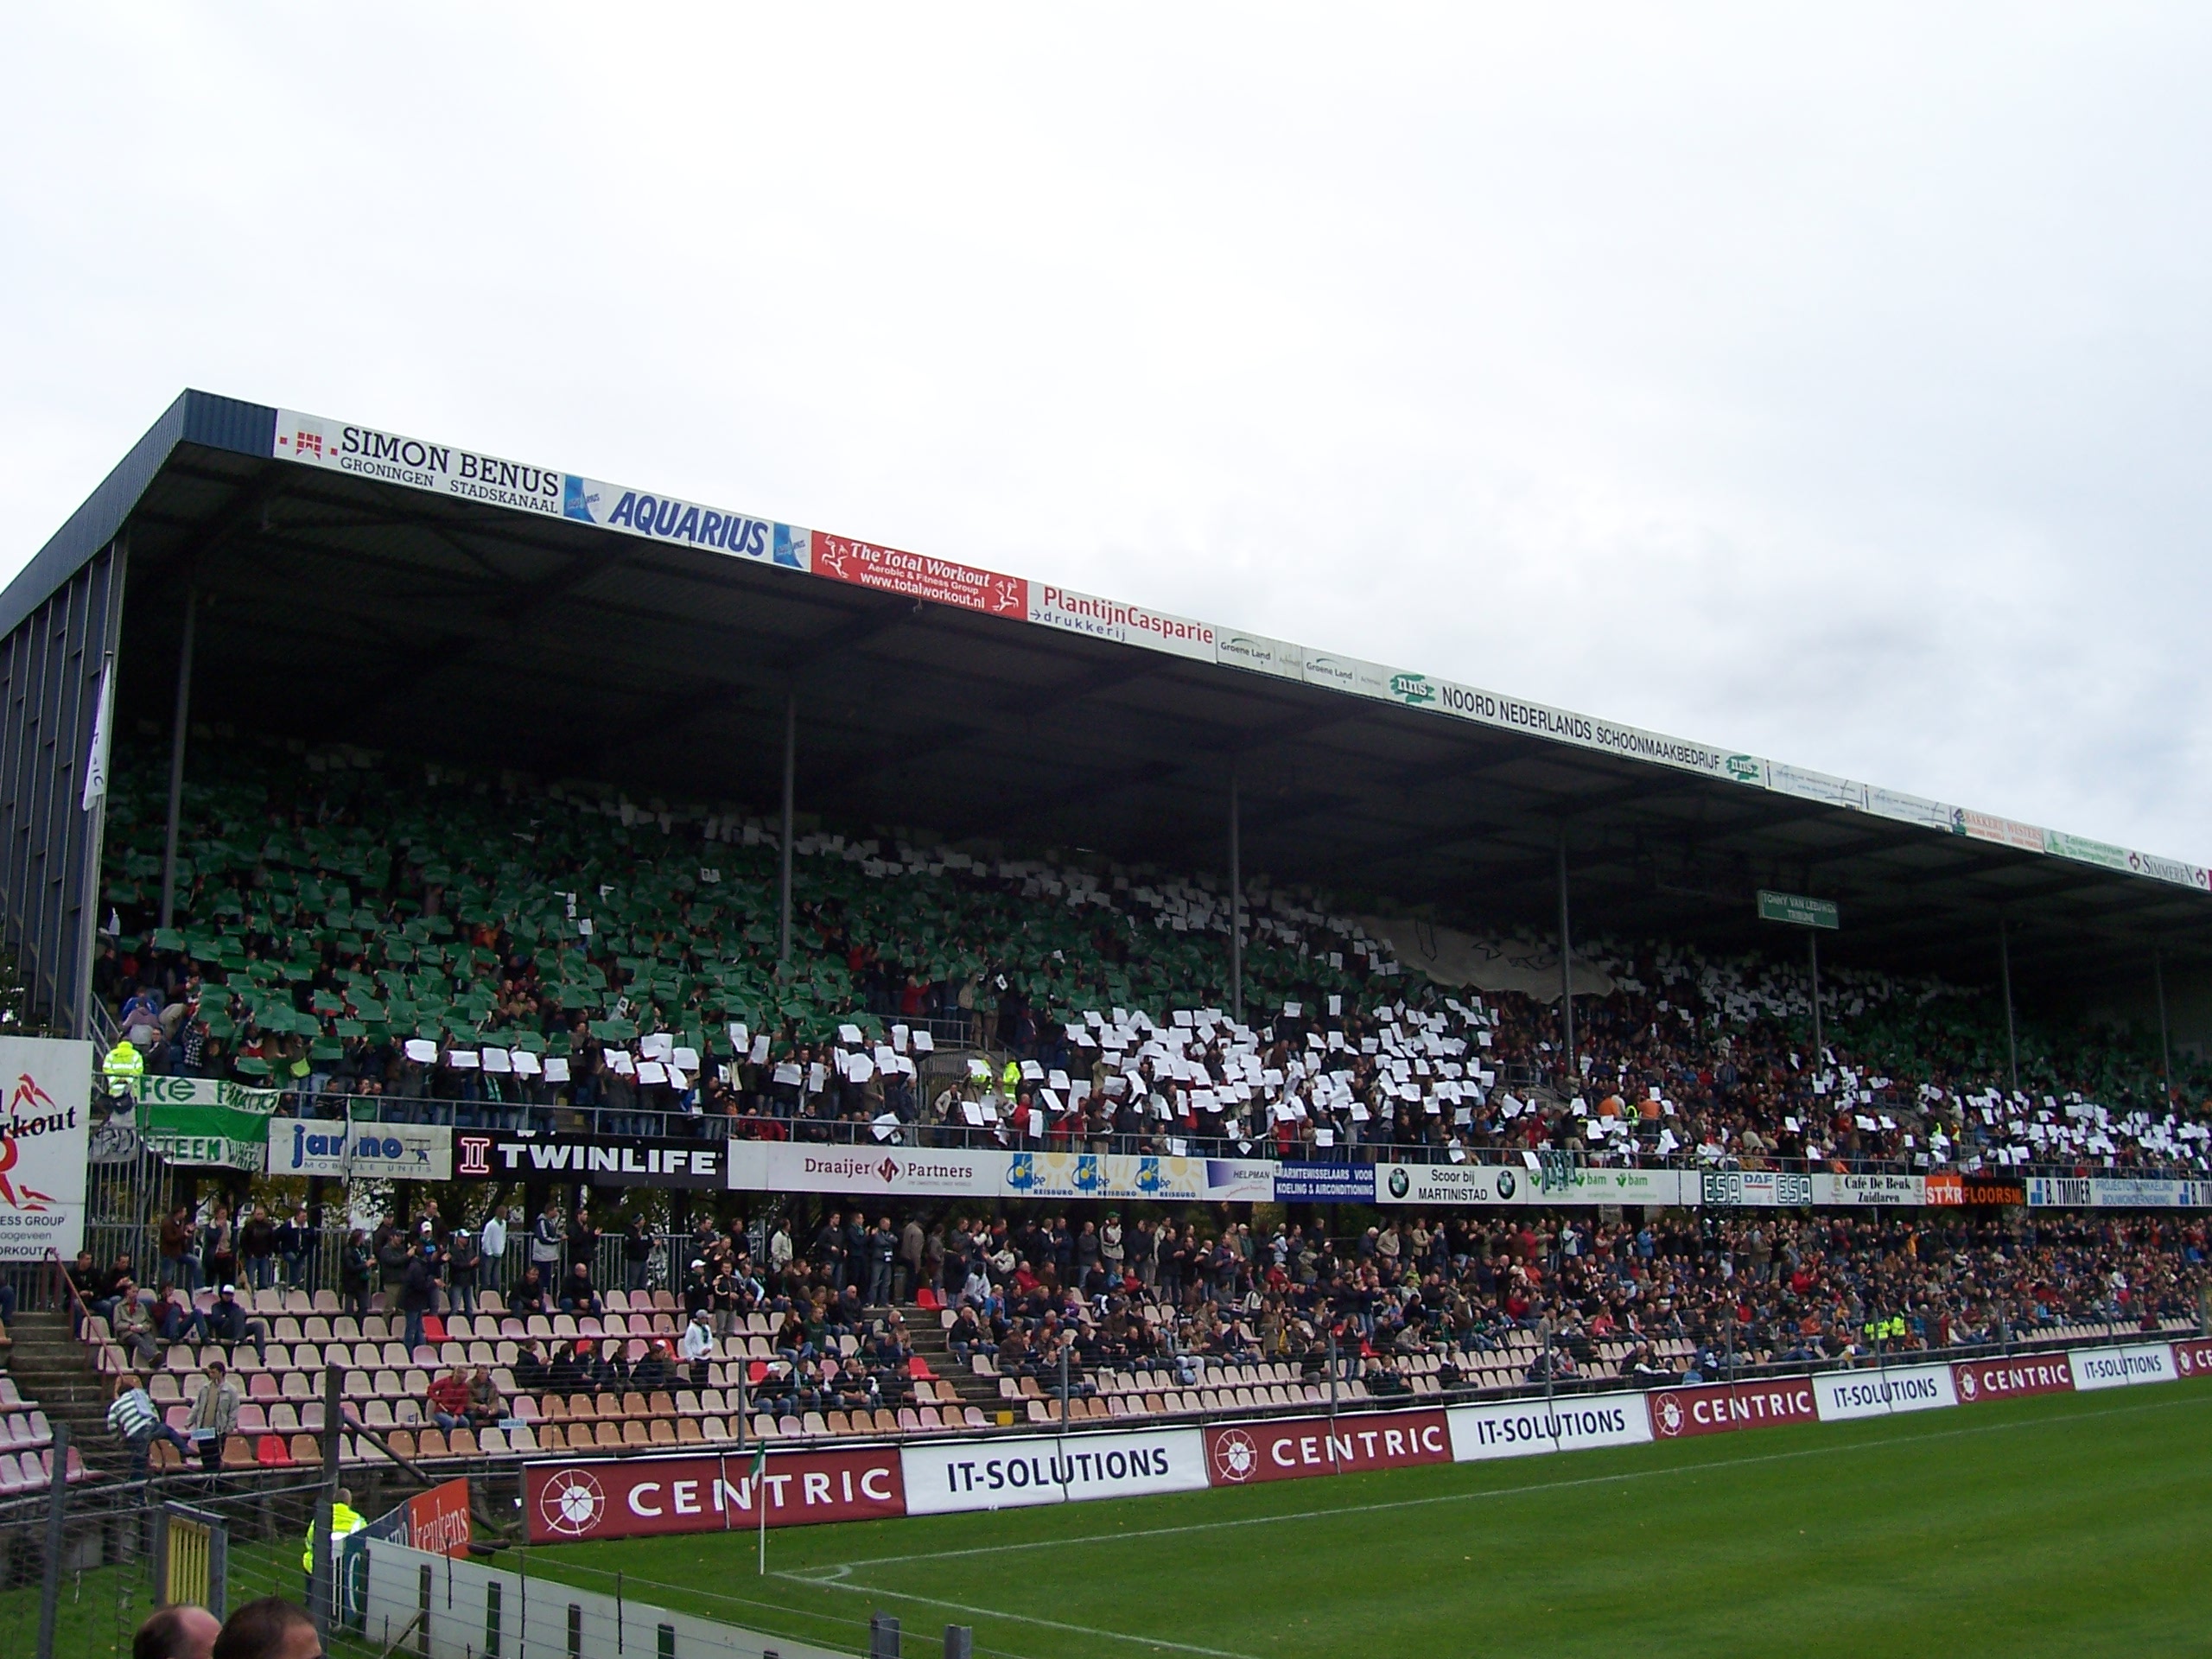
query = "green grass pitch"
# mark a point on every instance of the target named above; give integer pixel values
(2068, 1524)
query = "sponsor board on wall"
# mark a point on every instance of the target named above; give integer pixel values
(2193, 1356)
(1829, 1188)
(396, 1152)
(1842, 1395)
(2006, 832)
(1910, 809)
(598, 1159)
(1128, 625)
(1324, 1183)
(1950, 1187)
(1259, 653)
(2116, 1192)
(1293, 1448)
(1763, 1188)
(1722, 1407)
(2121, 1368)
(1451, 1183)
(666, 518)
(436, 1521)
(568, 1501)
(1816, 785)
(989, 1173)
(1523, 1428)
(917, 576)
(1585, 1184)
(45, 1144)
(441, 468)
(1019, 1473)
(2000, 1379)
(2171, 869)
(1361, 678)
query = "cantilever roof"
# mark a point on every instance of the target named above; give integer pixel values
(376, 589)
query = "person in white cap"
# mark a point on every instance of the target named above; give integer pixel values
(699, 1346)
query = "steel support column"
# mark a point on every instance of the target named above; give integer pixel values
(177, 734)
(2166, 1048)
(1236, 907)
(2005, 977)
(784, 874)
(1566, 981)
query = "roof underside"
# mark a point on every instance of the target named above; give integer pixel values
(346, 610)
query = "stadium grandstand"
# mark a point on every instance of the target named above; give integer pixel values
(572, 970)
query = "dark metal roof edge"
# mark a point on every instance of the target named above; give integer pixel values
(198, 417)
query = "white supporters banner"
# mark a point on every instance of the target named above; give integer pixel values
(1869, 1189)
(2121, 1368)
(1522, 1428)
(946, 1478)
(1840, 1395)
(44, 1141)
(397, 1151)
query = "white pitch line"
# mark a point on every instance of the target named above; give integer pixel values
(1024, 1618)
(1488, 1493)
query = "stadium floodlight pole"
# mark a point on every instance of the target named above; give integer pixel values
(2004, 975)
(1567, 980)
(178, 732)
(1236, 907)
(1332, 1382)
(784, 874)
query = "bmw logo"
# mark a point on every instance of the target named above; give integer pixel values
(1401, 1183)
(1506, 1184)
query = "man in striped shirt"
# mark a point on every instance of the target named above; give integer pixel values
(137, 1420)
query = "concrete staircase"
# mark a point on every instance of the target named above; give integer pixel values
(54, 1369)
(928, 1339)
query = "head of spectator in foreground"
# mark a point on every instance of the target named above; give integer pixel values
(271, 1628)
(183, 1631)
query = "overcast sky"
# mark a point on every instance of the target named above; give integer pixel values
(1835, 388)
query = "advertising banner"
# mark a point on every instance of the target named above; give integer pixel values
(1017, 1474)
(436, 1521)
(663, 519)
(1521, 1428)
(1292, 1448)
(1868, 1189)
(2059, 1192)
(44, 1145)
(1112, 1175)
(1451, 1183)
(1127, 624)
(390, 1152)
(2123, 1193)
(1260, 654)
(1764, 1188)
(1361, 678)
(231, 1137)
(632, 1497)
(1587, 1184)
(1948, 1186)
(2000, 1379)
(1324, 1183)
(1719, 1409)
(600, 1160)
(767, 1166)
(2121, 1368)
(386, 457)
(1842, 1395)
(779, 1166)
(2193, 1356)
(919, 577)
(204, 1092)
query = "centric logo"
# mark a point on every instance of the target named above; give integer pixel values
(1667, 1415)
(572, 1502)
(2185, 1361)
(1969, 1385)
(1236, 1456)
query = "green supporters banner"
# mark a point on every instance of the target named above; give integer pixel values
(202, 1120)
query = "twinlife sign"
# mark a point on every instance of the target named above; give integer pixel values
(601, 1160)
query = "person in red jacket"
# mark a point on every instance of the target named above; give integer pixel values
(449, 1400)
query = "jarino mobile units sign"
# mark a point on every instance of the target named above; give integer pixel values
(399, 1152)
(44, 1142)
(571, 1501)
